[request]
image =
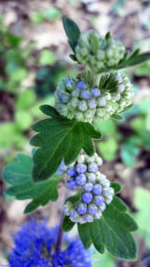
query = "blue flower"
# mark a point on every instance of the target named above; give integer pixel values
(81, 85)
(87, 197)
(35, 243)
(69, 83)
(92, 209)
(96, 92)
(93, 167)
(99, 200)
(72, 184)
(81, 168)
(85, 94)
(71, 171)
(88, 187)
(97, 189)
(81, 179)
(82, 208)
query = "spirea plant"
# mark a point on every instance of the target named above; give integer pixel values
(65, 146)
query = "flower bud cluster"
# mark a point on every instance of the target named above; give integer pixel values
(124, 94)
(76, 99)
(97, 52)
(95, 189)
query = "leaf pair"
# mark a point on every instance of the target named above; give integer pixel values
(112, 231)
(18, 176)
(59, 139)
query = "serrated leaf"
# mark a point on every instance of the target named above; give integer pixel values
(59, 139)
(117, 117)
(18, 176)
(112, 232)
(67, 224)
(72, 31)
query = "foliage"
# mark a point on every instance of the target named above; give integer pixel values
(50, 15)
(59, 140)
(56, 138)
(18, 175)
(113, 229)
(141, 197)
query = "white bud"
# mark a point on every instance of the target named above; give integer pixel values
(101, 101)
(121, 88)
(102, 207)
(82, 105)
(108, 96)
(98, 214)
(74, 102)
(99, 161)
(119, 78)
(81, 159)
(89, 114)
(117, 97)
(100, 112)
(79, 115)
(109, 200)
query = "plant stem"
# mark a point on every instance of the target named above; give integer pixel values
(60, 231)
(60, 234)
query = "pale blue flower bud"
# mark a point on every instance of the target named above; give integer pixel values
(85, 94)
(81, 168)
(81, 85)
(82, 208)
(92, 209)
(96, 92)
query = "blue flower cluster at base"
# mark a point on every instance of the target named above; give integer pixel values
(34, 246)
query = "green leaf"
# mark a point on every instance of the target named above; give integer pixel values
(117, 187)
(72, 31)
(129, 151)
(84, 234)
(97, 236)
(117, 117)
(23, 119)
(107, 127)
(112, 232)
(59, 139)
(102, 260)
(37, 17)
(73, 57)
(67, 224)
(128, 108)
(18, 176)
(143, 69)
(134, 59)
(142, 196)
(26, 99)
(108, 148)
(52, 14)
(47, 57)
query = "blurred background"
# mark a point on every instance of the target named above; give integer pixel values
(34, 57)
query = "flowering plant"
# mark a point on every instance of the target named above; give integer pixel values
(66, 151)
